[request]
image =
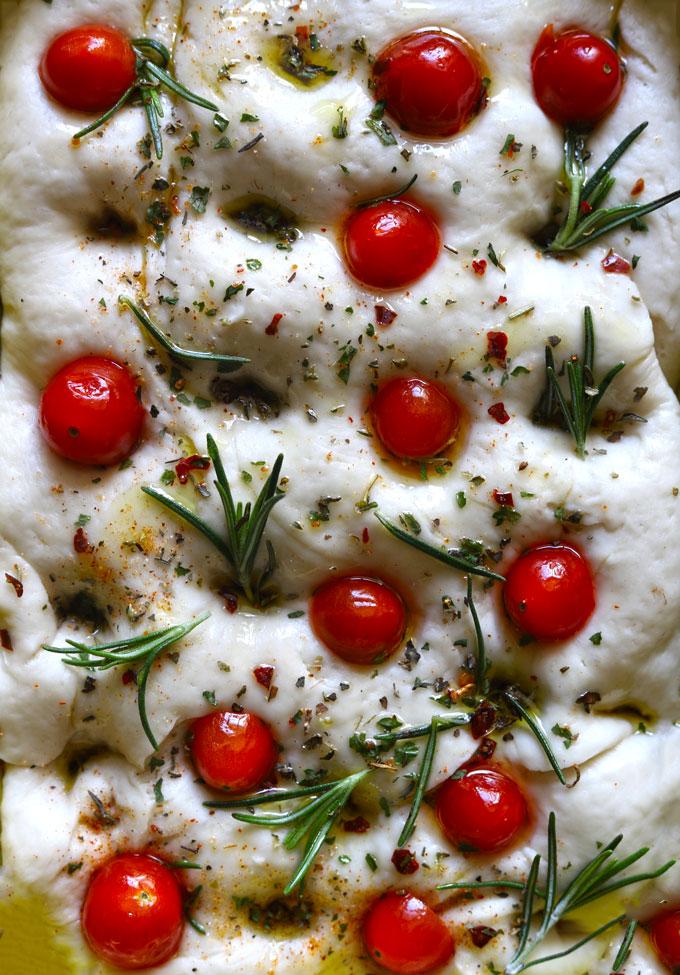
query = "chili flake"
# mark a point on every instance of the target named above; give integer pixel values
(497, 411)
(497, 345)
(404, 861)
(479, 267)
(263, 676)
(273, 327)
(615, 264)
(193, 463)
(384, 316)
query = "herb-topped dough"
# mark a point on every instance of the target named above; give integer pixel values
(89, 557)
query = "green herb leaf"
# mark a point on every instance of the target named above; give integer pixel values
(587, 219)
(199, 198)
(144, 648)
(382, 130)
(226, 363)
(245, 528)
(311, 821)
(442, 555)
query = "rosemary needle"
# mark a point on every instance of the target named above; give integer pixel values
(442, 555)
(226, 363)
(145, 647)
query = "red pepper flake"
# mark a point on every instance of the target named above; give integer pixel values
(193, 463)
(273, 327)
(503, 497)
(479, 267)
(230, 598)
(18, 586)
(497, 411)
(404, 861)
(358, 825)
(365, 537)
(610, 418)
(302, 34)
(129, 677)
(638, 188)
(497, 346)
(263, 676)
(6, 640)
(480, 935)
(502, 299)
(80, 542)
(484, 752)
(482, 720)
(384, 316)
(615, 264)
(586, 207)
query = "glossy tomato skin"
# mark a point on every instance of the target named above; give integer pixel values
(90, 411)
(362, 620)
(234, 751)
(390, 245)
(577, 76)
(133, 913)
(431, 81)
(415, 418)
(88, 68)
(403, 935)
(664, 932)
(549, 592)
(486, 809)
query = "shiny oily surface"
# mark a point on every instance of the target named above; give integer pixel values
(361, 620)
(88, 68)
(60, 746)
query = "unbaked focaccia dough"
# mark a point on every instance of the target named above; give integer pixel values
(60, 279)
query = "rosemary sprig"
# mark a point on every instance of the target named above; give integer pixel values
(535, 726)
(312, 820)
(152, 60)
(245, 527)
(585, 395)
(586, 218)
(598, 878)
(454, 561)
(226, 363)
(375, 200)
(144, 647)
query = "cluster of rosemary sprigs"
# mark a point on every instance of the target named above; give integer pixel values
(152, 60)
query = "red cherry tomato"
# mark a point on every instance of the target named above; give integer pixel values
(577, 76)
(485, 809)
(431, 81)
(90, 412)
(361, 620)
(391, 244)
(233, 751)
(403, 935)
(88, 68)
(549, 592)
(664, 931)
(133, 914)
(415, 418)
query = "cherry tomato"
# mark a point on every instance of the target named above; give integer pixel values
(549, 592)
(485, 809)
(90, 412)
(415, 418)
(577, 76)
(390, 245)
(133, 914)
(361, 620)
(664, 931)
(233, 751)
(88, 68)
(431, 81)
(403, 935)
